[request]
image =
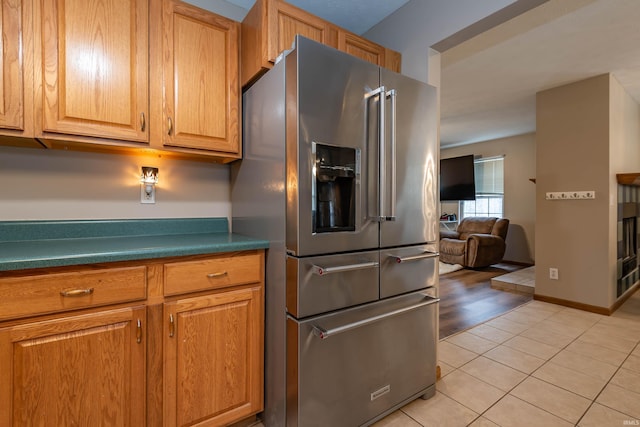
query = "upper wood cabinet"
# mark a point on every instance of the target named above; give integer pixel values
(368, 50)
(200, 76)
(16, 72)
(271, 25)
(91, 68)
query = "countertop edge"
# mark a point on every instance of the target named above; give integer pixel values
(77, 259)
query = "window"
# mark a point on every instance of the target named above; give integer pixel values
(489, 189)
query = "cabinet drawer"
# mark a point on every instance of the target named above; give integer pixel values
(212, 273)
(49, 293)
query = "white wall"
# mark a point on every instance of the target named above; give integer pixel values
(519, 192)
(57, 184)
(419, 24)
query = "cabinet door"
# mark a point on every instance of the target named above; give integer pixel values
(361, 48)
(92, 76)
(285, 21)
(82, 370)
(214, 358)
(201, 80)
(11, 65)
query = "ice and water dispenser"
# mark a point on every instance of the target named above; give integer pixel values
(335, 173)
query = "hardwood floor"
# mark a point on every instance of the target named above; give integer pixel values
(467, 299)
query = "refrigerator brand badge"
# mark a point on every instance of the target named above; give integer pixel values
(382, 391)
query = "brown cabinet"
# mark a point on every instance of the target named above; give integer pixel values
(91, 69)
(213, 343)
(200, 77)
(213, 358)
(369, 51)
(16, 73)
(172, 341)
(75, 370)
(271, 25)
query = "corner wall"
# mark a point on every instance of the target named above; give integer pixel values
(574, 236)
(519, 192)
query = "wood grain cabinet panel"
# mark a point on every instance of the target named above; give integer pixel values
(92, 68)
(11, 75)
(213, 370)
(361, 48)
(58, 292)
(217, 272)
(201, 87)
(84, 370)
(287, 21)
(16, 72)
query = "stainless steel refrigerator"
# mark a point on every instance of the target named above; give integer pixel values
(339, 173)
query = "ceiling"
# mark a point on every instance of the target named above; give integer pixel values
(489, 82)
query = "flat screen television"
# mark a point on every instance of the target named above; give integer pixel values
(457, 179)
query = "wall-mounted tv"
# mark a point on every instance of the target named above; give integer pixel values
(457, 179)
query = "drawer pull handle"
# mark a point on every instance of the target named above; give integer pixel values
(170, 128)
(139, 332)
(143, 122)
(77, 292)
(324, 333)
(400, 259)
(214, 275)
(321, 271)
(172, 326)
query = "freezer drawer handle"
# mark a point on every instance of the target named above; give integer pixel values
(400, 259)
(323, 333)
(321, 271)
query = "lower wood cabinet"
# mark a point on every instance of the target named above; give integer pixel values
(82, 370)
(213, 358)
(190, 353)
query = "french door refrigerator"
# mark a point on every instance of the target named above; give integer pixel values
(339, 173)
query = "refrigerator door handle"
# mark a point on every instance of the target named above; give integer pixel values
(321, 271)
(401, 259)
(381, 93)
(323, 333)
(392, 94)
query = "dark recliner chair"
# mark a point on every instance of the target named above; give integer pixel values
(477, 242)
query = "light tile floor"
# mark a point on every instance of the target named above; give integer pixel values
(538, 365)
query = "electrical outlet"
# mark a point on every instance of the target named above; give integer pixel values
(147, 194)
(553, 273)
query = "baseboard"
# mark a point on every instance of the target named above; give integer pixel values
(587, 307)
(572, 304)
(632, 290)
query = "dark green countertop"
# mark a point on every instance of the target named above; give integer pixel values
(38, 244)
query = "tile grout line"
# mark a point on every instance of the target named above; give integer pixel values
(529, 375)
(605, 386)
